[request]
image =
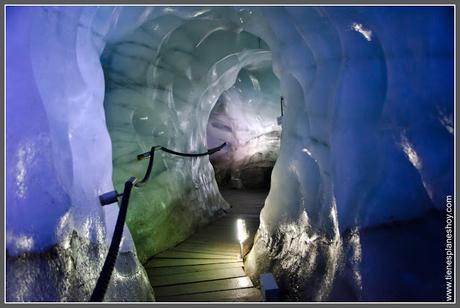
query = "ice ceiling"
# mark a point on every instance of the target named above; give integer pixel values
(367, 140)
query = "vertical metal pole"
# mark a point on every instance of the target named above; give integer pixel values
(109, 263)
(282, 111)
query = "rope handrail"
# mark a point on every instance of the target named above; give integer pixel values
(109, 264)
(146, 177)
(209, 152)
(112, 197)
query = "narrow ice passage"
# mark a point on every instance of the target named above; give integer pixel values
(364, 153)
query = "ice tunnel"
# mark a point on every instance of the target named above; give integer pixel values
(360, 166)
(246, 118)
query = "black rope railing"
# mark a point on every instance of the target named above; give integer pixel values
(209, 152)
(149, 168)
(112, 197)
(111, 258)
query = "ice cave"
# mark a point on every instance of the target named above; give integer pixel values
(333, 137)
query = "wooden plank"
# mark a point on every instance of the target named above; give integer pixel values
(238, 295)
(177, 262)
(174, 254)
(214, 241)
(225, 242)
(214, 237)
(167, 280)
(202, 244)
(207, 286)
(218, 252)
(205, 244)
(159, 271)
(218, 237)
(230, 252)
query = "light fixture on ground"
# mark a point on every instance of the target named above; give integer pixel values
(242, 234)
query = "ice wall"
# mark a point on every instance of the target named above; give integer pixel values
(367, 141)
(366, 145)
(245, 117)
(58, 160)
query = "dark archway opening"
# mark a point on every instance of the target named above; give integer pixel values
(246, 118)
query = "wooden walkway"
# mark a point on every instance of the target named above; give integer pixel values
(207, 266)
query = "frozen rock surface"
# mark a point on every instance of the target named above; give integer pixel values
(366, 140)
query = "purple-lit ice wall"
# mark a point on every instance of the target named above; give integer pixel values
(59, 160)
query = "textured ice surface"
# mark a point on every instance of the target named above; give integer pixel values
(63, 272)
(58, 158)
(367, 138)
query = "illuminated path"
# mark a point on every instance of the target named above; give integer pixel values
(207, 266)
